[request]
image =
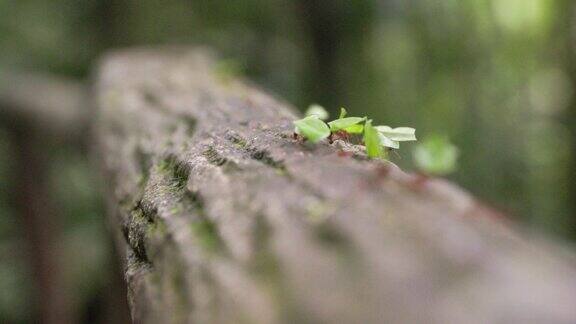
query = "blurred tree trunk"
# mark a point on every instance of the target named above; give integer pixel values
(335, 28)
(111, 17)
(41, 113)
(568, 30)
(39, 226)
(322, 18)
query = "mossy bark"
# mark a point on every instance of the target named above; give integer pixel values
(227, 218)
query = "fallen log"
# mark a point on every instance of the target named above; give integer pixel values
(224, 217)
(53, 106)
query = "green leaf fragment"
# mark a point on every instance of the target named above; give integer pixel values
(343, 123)
(386, 142)
(399, 134)
(318, 111)
(312, 128)
(355, 129)
(343, 113)
(436, 155)
(372, 141)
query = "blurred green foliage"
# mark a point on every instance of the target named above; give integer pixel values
(496, 76)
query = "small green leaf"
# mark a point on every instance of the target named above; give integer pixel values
(386, 142)
(343, 113)
(355, 129)
(318, 111)
(344, 123)
(436, 155)
(312, 128)
(372, 141)
(399, 134)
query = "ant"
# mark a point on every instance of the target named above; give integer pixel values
(339, 135)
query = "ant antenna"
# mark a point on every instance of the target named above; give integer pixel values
(396, 153)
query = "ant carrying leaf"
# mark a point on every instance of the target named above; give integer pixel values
(436, 156)
(372, 141)
(351, 125)
(312, 128)
(318, 111)
(377, 139)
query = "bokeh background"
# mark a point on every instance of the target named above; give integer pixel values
(498, 77)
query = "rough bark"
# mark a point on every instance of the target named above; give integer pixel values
(225, 217)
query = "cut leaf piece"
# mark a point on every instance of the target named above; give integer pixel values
(355, 129)
(372, 141)
(399, 134)
(318, 111)
(436, 156)
(346, 122)
(343, 113)
(312, 128)
(386, 142)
